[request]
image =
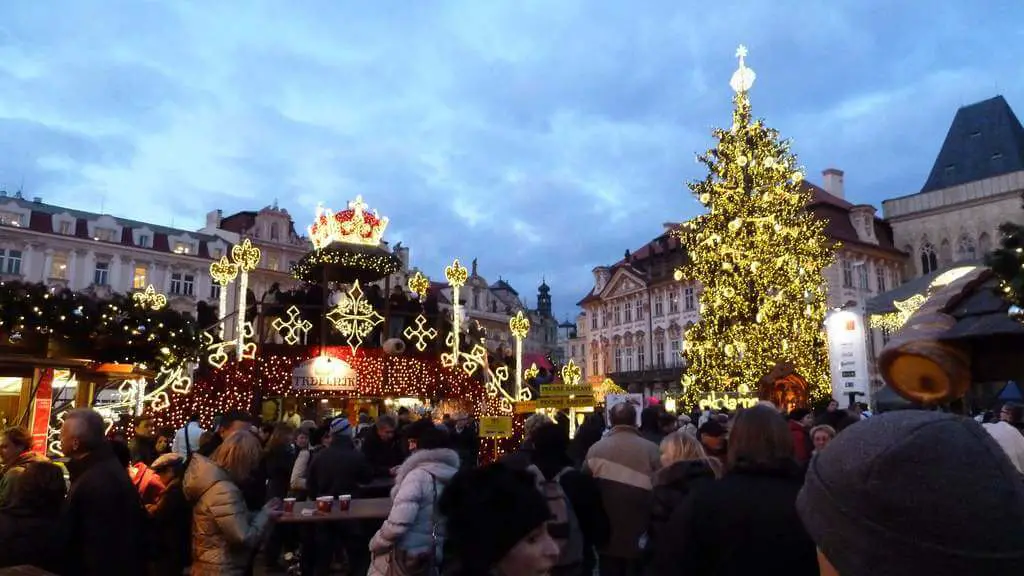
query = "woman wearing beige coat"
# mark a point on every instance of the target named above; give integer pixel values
(224, 532)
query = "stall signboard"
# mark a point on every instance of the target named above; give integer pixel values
(325, 374)
(558, 402)
(549, 390)
(496, 427)
(41, 410)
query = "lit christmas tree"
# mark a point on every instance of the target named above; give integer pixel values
(759, 255)
(1007, 262)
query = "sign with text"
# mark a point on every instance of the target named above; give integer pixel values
(547, 390)
(557, 402)
(41, 405)
(496, 427)
(326, 374)
(848, 358)
(717, 401)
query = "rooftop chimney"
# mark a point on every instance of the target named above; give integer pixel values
(833, 181)
(37, 200)
(213, 219)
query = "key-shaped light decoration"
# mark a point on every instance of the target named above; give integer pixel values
(246, 257)
(456, 274)
(520, 327)
(223, 273)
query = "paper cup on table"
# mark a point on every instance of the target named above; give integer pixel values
(324, 503)
(344, 502)
(289, 505)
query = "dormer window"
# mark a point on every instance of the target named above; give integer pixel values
(274, 235)
(65, 228)
(11, 219)
(105, 235)
(182, 248)
(145, 241)
(950, 169)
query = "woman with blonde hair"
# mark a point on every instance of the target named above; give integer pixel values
(685, 465)
(224, 532)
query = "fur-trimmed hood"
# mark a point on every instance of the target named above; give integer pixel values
(442, 463)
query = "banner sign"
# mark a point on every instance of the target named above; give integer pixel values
(848, 356)
(565, 390)
(325, 374)
(41, 405)
(557, 402)
(496, 427)
(716, 401)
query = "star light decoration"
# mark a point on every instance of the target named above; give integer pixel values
(519, 325)
(223, 273)
(217, 352)
(354, 317)
(150, 299)
(292, 326)
(247, 258)
(421, 334)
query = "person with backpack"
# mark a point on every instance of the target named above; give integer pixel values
(579, 524)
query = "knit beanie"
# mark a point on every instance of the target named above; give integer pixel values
(340, 426)
(488, 511)
(915, 492)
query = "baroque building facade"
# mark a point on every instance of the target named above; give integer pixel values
(632, 323)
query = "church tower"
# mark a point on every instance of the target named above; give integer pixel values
(544, 299)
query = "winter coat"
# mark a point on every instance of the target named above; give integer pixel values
(102, 507)
(278, 463)
(745, 523)
(671, 487)
(410, 524)
(801, 441)
(171, 519)
(26, 537)
(624, 464)
(337, 470)
(9, 475)
(186, 439)
(224, 531)
(467, 444)
(382, 456)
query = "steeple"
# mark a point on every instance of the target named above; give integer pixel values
(544, 298)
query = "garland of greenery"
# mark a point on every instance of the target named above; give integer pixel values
(113, 329)
(1007, 262)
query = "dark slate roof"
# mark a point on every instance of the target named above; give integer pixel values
(884, 302)
(502, 285)
(838, 226)
(985, 140)
(982, 314)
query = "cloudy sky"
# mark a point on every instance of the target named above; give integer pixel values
(543, 137)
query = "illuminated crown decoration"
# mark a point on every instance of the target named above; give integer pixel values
(356, 225)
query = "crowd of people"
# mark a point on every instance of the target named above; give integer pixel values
(840, 492)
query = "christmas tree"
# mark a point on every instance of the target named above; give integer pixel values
(759, 255)
(1007, 262)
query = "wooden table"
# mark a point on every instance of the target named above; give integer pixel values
(360, 509)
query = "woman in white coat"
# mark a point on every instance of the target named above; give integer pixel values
(413, 534)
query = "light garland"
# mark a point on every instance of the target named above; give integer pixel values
(381, 264)
(247, 258)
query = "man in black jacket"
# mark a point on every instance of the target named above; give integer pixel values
(338, 470)
(381, 447)
(102, 506)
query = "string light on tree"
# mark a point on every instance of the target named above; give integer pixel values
(247, 258)
(223, 273)
(759, 255)
(354, 317)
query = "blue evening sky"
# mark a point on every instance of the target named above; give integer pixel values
(542, 137)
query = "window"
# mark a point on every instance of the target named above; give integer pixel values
(880, 278)
(593, 322)
(629, 313)
(214, 291)
(639, 308)
(476, 300)
(216, 253)
(629, 359)
(272, 262)
(181, 248)
(676, 348)
(659, 304)
(291, 264)
(573, 350)
(965, 249)
(673, 302)
(929, 259)
(65, 228)
(101, 274)
(273, 231)
(618, 314)
(145, 241)
(659, 354)
(595, 363)
(188, 286)
(10, 218)
(139, 278)
(862, 276)
(59, 266)
(105, 235)
(847, 274)
(618, 359)
(175, 283)
(13, 262)
(640, 357)
(688, 299)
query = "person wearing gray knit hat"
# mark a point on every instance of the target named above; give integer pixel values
(915, 493)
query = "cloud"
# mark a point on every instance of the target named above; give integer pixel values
(543, 138)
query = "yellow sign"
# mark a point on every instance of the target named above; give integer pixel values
(554, 402)
(565, 390)
(495, 426)
(716, 401)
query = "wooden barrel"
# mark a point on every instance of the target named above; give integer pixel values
(921, 368)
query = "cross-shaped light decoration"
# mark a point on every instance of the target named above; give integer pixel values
(421, 334)
(419, 285)
(519, 325)
(571, 374)
(150, 299)
(292, 326)
(354, 317)
(247, 258)
(223, 273)
(456, 274)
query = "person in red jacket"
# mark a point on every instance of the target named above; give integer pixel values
(800, 419)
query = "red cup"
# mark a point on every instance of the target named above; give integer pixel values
(324, 504)
(289, 505)
(344, 502)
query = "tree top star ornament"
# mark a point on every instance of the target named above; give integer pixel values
(743, 78)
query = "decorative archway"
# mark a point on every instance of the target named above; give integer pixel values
(785, 388)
